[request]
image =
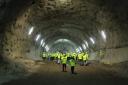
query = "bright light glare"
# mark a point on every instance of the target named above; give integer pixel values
(38, 37)
(31, 30)
(80, 48)
(41, 41)
(43, 44)
(84, 46)
(103, 35)
(92, 40)
(62, 40)
(47, 48)
(86, 43)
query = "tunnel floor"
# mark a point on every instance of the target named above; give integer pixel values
(51, 74)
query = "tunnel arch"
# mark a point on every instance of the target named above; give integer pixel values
(85, 17)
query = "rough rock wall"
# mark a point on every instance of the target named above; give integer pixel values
(92, 15)
(17, 43)
(116, 55)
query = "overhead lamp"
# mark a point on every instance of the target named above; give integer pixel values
(86, 43)
(92, 40)
(30, 30)
(84, 46)
(103, 34)
(41, 41)
(38, 37)
(43, 44)
(47, 48)
(62, 40)
(80, 48)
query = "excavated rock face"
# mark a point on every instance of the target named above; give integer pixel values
(75, 20)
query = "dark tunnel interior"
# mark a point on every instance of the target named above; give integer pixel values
(29, 28)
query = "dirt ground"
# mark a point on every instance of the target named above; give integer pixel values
(51, 74)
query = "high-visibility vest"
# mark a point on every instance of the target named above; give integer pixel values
(59, 55)
(74, 55)
(72, 62)
(85, 57)
(64, 59)
(44, 55)
(80, 56)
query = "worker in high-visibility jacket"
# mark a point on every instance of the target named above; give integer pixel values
(44, 56)
(74, 55)
(72, 64)
(80, 58)
(64, 62)
(85, 58)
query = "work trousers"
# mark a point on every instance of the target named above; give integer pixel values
(72, 69)
(64, 67)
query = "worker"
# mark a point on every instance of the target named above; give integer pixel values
(85, 58)
(72, 64)
(44, 56)
(64, 62)
(80, 56)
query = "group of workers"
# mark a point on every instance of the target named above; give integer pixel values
(67, 59)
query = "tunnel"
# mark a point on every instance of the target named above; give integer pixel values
(31, 27)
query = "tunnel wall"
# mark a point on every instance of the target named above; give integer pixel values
(115, 55)
(16, 43)
(111, 56)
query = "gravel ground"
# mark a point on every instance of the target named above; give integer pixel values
(51, 74)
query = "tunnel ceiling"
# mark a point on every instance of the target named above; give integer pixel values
(76, 20)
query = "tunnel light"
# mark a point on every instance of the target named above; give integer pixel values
(43, 44)
(38, 37)
(103, 34)
(86, 43)
(41, 41)
(92, 40)
(80, 48)
(47, 48)
(31, 30)
(84, 46)
(62, 40)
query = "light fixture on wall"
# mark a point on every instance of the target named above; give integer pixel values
(47, 48)
(38, 37)
(92, 40)
(43, 44)
(103, 34)
(31, 30)
(86, 43)
(84, 46)
(42, 41)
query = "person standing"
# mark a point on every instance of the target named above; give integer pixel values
(64, 62)
(72, 64)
